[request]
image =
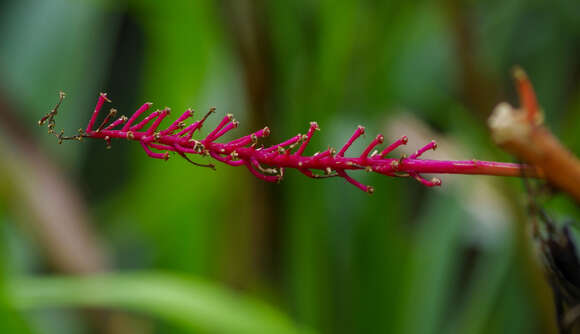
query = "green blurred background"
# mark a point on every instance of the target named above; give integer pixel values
(111, 241)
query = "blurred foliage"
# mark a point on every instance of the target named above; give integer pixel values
(235, 251)
(189, 302)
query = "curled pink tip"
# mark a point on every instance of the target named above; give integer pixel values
(434, 182)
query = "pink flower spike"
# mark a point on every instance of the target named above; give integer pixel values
(137, 113)
(146, 120)
(313, 127)
(102, 99)
(116, 123)
(162, 156)
(378, 140)
(401, 141)
(247, 151)
(178, 123)
(357, 133)
(432, 145)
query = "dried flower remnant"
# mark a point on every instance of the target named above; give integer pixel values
(521, 132)
(269, 163)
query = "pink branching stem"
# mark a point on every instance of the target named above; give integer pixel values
(269, 163)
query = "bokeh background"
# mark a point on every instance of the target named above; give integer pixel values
(110, 241)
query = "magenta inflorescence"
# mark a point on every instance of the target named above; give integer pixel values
(268, 163)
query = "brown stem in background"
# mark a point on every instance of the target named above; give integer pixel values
(521, 132)
(57, 213)
(478, 90)
(248, 34)
(54, 212)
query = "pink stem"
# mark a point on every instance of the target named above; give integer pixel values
(157, 122)
(402, 141)
(136, 115)
(324, 154)
(267, 178)
(225, 130)
(290, 141)
(313, 127)
(432, 145)
(102, 99)
(243, 141)
(175, 125)
(146, 120)
(116, 123)
(226, 160)
(161, 147)
(434, 182)
(225, 120)
(357, 133)
(152, 154)
(354, 182)
(378, 140)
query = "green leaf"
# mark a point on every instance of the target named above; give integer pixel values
(190, 302)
